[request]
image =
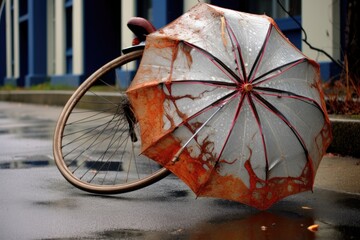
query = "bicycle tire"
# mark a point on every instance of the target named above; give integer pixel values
(94, 140)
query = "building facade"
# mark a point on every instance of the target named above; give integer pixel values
(64, 41)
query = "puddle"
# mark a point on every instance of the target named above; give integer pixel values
(132, 234)
(269, 225)
(45, 131)
(350, 203)
(36, 132)
(178, 193)
(124, 234)
(27, 127)
(61, 203)
(27, 162)
(261, 226)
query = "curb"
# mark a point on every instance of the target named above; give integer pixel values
(346, 131)
(346, 140)
(55, 98)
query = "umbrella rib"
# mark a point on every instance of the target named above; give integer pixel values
(177, 155)
(256, 64)
(287, 94)
(226, 140)
(287, 65)
(207, 82)
(232, 126)
(285, 120)
(222, 101)
(233, 76)
(219, 102)
(258, 121)
(233, 38)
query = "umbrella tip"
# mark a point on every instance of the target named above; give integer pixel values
(247, 87)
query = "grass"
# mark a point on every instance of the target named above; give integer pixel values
(342, 97)
(47, 86)
(42, 86)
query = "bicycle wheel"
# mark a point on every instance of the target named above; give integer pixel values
(96, 142)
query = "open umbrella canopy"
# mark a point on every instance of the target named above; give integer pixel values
(231, 107)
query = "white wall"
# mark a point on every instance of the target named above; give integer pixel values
(9, 40)
(50, 28)
(56, 37)
(78, 37)
(12, 39)
(321, 21)
(127, 11)
(60, 38)
(188, 4)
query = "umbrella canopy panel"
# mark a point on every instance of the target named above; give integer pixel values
(230, 106)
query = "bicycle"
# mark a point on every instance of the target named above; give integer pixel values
(96, 140)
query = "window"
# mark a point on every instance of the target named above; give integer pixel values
(144, 9)
(23, 8)
(273, 9)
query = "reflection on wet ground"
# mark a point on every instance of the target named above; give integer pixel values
(260, 226)
(27, 162)
(26, 127)
(61, 203)
(263, 225)
(26, 136)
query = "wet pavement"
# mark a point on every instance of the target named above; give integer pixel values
(37, 203)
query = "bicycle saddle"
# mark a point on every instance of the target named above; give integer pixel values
(140, 27)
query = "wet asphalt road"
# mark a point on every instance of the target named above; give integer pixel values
(37, 203)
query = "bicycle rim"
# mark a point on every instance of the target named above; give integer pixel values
(96, 141)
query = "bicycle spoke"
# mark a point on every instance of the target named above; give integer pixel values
(97, 139)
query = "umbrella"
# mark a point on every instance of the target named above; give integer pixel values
(230, 106)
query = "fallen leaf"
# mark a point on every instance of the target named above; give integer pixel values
(305, 207)
(313, 228)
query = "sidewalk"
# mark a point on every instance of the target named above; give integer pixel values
(340, 174)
